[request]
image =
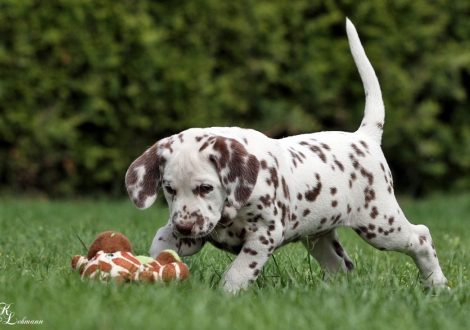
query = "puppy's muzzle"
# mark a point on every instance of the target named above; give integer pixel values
(184, 229)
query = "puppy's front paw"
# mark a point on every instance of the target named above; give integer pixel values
(232, 287)
(437, 283)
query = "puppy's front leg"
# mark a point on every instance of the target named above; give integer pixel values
(245, 269)
(166, 239)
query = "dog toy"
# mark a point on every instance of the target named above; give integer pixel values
(110, 257)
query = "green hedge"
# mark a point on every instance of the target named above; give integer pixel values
(87, 85)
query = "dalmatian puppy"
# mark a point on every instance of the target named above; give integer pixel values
(249, 195)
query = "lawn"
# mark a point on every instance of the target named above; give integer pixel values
(39, 238)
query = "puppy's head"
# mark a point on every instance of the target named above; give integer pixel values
(200, 173)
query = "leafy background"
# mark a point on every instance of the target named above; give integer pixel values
(87, 85)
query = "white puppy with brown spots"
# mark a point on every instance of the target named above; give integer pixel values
(249, 194)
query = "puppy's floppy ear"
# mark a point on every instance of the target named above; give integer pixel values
(237, 169)
(144, 177)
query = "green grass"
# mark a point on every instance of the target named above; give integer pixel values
(39, 238)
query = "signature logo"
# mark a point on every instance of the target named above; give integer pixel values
(7, 316)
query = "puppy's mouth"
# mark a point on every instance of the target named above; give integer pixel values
(192, 230)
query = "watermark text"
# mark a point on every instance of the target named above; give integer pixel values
(7, 316)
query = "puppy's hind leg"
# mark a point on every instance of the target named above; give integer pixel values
(329, 253)
(395, 233)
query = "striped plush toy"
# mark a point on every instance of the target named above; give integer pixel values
(110, 257)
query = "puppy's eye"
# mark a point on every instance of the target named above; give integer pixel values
(170, 190)
(205, 189)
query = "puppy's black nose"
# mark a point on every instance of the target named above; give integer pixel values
(184, 229)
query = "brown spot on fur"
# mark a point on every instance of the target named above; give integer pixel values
(264, 164)
(335, 219)
(363, 229)
(354, 161)
(285, 188)
(368, 175)
(266, 200)
(339, 164)
(325, 146)
(316, 150)
(180, 137)
(295, 157)
(374, 213)
(250, 251)
(167, 144)
(422, 239)
(364, 144)
(369, 195)
(204, 146)
(312, 194)
(371, 235)
(263, 240)
(357, 150)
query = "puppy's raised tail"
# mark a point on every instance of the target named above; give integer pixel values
(374, 113)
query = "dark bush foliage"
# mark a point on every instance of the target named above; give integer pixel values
(88, 85)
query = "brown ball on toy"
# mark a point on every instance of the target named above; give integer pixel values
(109, 242)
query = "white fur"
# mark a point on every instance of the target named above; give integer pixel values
(266, 193)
